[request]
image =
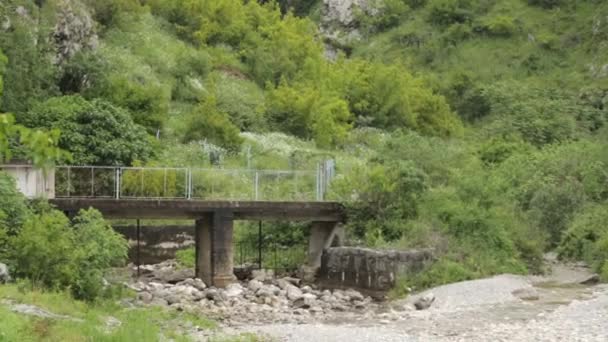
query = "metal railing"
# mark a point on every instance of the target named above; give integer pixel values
(189, 183)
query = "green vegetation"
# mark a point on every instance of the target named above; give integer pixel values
(477, 128)
(88, 322)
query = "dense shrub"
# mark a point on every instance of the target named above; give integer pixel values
(385, 199)
(309, 113)
(206, 122)
(30, 75)
(98, 247)
(381, 15)
(95, 132)
(540, 116)
(147, 103)
(546, 3)
(499, 26)
(53, 254)
(447, 12)
(388, 96)
(44, 251)
(587, 237)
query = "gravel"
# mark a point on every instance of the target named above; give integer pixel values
(560, 314)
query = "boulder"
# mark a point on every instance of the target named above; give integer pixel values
(254, 285)
(215, 295)
(145, 297)
(590, 280)
(262, 275)
(234, 290)
(526, 293)
(425, 301)
(293, 293)
(5, 276)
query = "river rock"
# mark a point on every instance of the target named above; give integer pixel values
(234, 290)
(424, 302)
(591, 280)
(254, 285)
(145, 297)
(293, 293)
(526, 293)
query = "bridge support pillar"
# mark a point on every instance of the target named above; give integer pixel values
(214, 257)
(322, 235)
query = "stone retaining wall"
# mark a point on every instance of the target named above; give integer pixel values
(368, 270)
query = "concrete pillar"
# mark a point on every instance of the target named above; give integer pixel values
(322, 234)
(214, 257)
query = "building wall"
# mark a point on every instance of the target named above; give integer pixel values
(33, 183)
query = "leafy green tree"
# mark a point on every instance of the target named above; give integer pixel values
(30, 75)
(310, 113)
(99, 247)
(45, 250)
(388, 96)
(95, 132)
(447, 12)
(54, 254)
(147, 103)
(205, 122)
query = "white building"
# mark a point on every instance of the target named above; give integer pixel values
(31, 181)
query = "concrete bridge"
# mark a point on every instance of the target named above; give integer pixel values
(213, 198)
(214, 225)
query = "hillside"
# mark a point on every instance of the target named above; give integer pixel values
(477, 128)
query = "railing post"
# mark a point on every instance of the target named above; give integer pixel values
(69, 180)
(117, 183)
(189, 182)
(165, 183)
(256, 184)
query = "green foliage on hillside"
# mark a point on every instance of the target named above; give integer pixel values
(473, 127)
(95, 132)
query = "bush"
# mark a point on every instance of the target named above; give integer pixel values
(447, 12)
(587, 237)
(95, 132)
(55, 255)
(546, 3)
(206, 122)
(98, 247)
(45, 251)
(499, 26)
(147, 103)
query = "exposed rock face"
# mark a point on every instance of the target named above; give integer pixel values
(4, 275)
(74, 31)
(342, 11)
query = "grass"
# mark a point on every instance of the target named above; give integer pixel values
(137, 324)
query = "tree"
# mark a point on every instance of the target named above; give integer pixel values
(95, 132)
(206, 122)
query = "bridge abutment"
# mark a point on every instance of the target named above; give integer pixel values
(322, 235)
(214, 255)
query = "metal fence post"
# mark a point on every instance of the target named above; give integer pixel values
(92, 182)
(189, 183)
(118, 183)
(256, 185)
(69, 180)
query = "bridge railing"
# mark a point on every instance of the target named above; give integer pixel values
(189, 183)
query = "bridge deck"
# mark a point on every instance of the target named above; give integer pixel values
(195, 209)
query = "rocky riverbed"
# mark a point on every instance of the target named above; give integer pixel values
(564, 306)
